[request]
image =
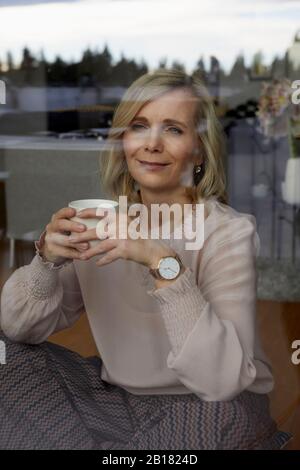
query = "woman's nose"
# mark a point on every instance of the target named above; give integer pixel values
(153, 141)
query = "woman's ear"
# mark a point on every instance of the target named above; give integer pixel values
(198, 152)
(198, 156)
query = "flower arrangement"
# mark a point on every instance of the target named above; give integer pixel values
(279, 117)
(274, 107)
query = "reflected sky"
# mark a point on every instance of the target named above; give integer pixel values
(150, 29)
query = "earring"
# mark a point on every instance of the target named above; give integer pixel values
(197, 174)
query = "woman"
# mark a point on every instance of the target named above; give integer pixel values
(181, 365)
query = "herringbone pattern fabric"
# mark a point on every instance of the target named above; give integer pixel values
(52, 398)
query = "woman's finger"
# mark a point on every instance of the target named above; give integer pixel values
(64, 213)
(107, 213)
(96, 212)
(101, 247)
(85, 236)
(86, 213)
(113, 255)
(60, 239)
(65, 252)
(65, 225)
(81, 246)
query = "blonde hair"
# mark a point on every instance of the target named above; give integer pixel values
(115, 177)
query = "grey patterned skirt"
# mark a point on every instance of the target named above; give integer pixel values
(52, 398)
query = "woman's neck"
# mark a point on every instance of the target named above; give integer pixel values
(148, 199)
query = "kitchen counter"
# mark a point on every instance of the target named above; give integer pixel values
(49, 143)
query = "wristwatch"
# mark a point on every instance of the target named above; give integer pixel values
(169, 268)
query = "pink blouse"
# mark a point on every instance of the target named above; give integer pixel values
(197, 335)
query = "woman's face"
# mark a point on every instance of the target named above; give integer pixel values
(163, 133)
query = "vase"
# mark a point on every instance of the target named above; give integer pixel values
(291, 184)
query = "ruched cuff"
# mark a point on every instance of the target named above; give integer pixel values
(40, 282)
(180, 304)
(42, 279)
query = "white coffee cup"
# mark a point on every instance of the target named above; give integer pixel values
(90, 222)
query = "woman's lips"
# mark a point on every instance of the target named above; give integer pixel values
(153, 166)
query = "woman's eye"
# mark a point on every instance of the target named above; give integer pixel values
(175, 130)
(141, 127)
(137, 127)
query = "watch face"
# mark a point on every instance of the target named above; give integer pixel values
(169, 268)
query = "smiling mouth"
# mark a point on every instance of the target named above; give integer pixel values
(153, 163)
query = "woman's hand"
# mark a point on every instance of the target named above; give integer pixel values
(57, 245)
(144, 251)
